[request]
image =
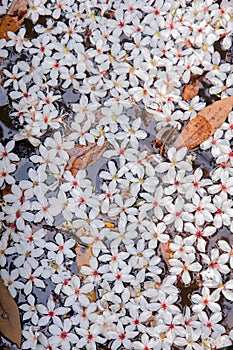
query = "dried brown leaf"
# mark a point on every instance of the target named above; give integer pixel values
(165, 251)
(191, 90)
(10, 325)
(83, 255)
(13, 19)
(83, 156)
(204, 124)
(18, 8)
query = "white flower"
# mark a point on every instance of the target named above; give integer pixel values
(228, 127)
(6, 168)
(203, 209)
(175, 157)
(140, 255)
(177, 214)
(108, 196)
(35, 9)
(210, 324)
(144, 343)
(58, 143)
(182, 268)
(10, 281)
(51, 312)
(61, 249)
(48, 158)
(89, 337)
(197, 184)
(216, 264)
(206, 300)
(181, 247)
(18, 214)
(155, 233)
(133, 132)
(70, 181)
(159, 289)
(155, 202)
(145, 93)
(165, 305)
(122, 150)
(224, 210)
(18, 40)
(5, 152)
(31, 335)
(226, 289)
(199, 233)
(81, 199)
(61, 205)
(61, 334)
(30, 309)
(42, 46)
(122, 208)
(121, 336)
(119, 276)
(137, 320)
(214, 142)
(75, 291)
(96, 239)
(225, 247)
(84, 315)
(226, 185)
(93, 272)
(32, 278)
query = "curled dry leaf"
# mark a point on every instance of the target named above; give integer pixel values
(204, 124)
(13, 18)
(83, 256)
(191, 90)
(10, 325)
(165, 251)
(83, 156)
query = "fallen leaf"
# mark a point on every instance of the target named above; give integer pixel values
(83, 156)
(18, 8)
(83, 256)
(109, 224)
(165, 251)
(204, 124)
(191, 90)
(10, 325)
(13, 19)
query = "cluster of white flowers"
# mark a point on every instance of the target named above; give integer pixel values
(159, 227)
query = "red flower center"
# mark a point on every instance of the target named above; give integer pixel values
(63, 335)
(122, 336)
(199, 234)
(90, 336)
